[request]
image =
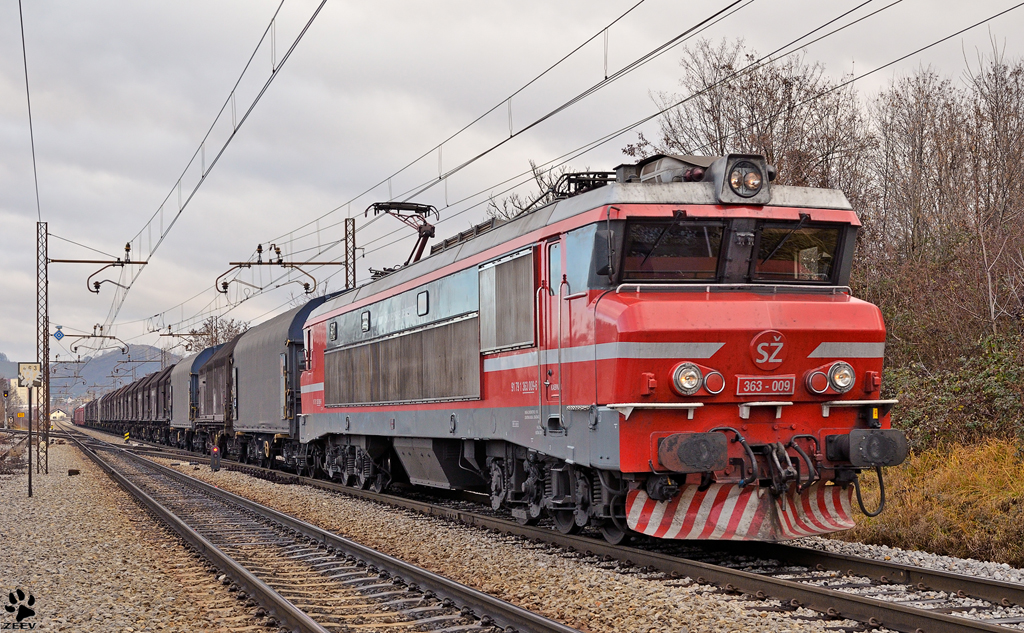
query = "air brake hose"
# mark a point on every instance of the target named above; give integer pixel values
(755, 471)
(812, 472)
(881, 489)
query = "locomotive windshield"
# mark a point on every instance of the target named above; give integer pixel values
(791, 252)
(686, 250)
(672, 251)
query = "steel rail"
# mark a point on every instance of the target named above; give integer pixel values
(503, 613)
(995, 591)
(278, 606)
(23, 440)
(833, 603)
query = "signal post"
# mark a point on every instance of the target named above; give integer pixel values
(30, 375)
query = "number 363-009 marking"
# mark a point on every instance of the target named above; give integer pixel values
(765, 385)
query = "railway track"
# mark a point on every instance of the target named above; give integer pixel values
(8, 450)
(305, 578)
(876, 594)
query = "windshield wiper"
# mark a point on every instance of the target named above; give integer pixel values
(799, 225)
(679, 215)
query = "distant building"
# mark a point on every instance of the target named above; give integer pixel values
(12, 386)
(58, 415)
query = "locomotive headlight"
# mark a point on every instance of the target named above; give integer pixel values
(687, 379)
(841, 376)
(745, 179)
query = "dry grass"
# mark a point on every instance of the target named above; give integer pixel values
(965, 501)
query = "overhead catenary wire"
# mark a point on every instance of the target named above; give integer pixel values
(608, 79)
(760, 61)
(605, 139)
(671, 43)
(589, 146)
(121, 295)
(438, 147)
(579, 97)
(95, 250)
(665, 109)
(854, 78)
(600, 33)
(28, 101)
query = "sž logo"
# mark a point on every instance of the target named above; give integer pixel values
(21, 606)
(768, 350)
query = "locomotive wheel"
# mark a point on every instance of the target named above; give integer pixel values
(565, 521)
(613, 533)
(367, 471)
(497, 485)
(330, 470)
(316, 458)
(378, 484)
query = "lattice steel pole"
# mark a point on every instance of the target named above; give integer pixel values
(43, 335)
(350, 253)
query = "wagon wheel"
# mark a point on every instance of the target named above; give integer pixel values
(613, 533)
(565, 521)
(266, 461)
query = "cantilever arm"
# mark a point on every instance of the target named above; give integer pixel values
(94, 286)
(74, 347)
(304, 285)
(222, 286)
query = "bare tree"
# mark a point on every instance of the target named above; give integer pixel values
(515, 204)
(788, 110)
(215, 331)
(996, 198)
(931, 166)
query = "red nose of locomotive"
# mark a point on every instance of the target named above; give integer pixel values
(743, 391)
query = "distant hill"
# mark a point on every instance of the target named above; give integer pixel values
(8, 368)
(95, 373)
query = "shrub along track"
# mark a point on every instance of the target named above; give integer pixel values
(874, 593)
(309, 579)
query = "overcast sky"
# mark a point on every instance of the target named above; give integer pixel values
(123, 93)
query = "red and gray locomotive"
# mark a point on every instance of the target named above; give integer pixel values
(670, 349)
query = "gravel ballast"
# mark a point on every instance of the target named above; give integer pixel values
(584, 593)
(95, 561)
(914, 558)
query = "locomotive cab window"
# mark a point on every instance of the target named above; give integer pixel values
(554, 267)
(672, 249)
(792, 252)
(422, 303)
